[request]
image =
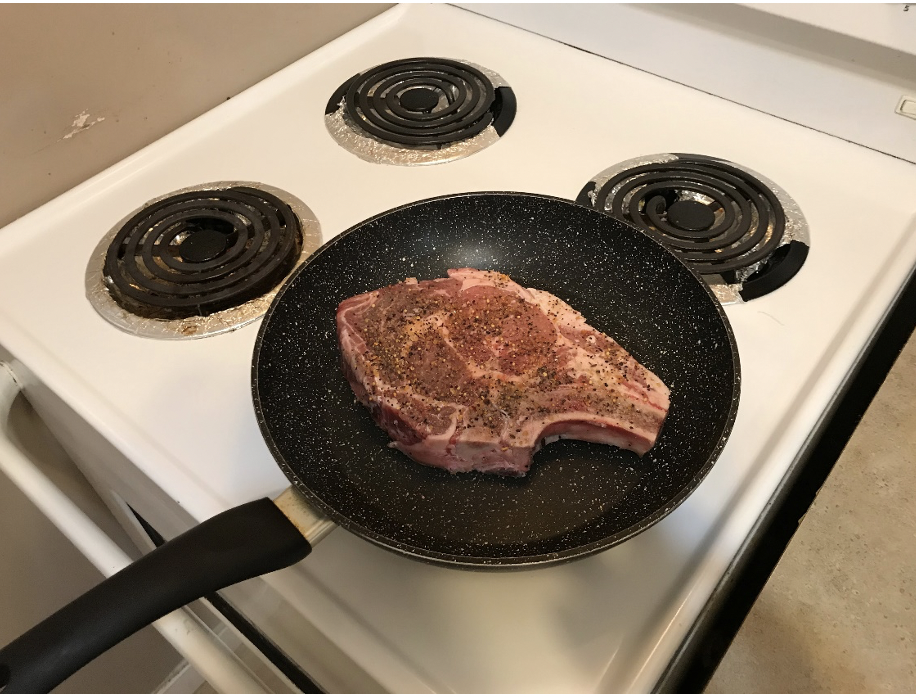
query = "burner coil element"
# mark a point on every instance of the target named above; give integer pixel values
(200, 252)
(421, 101)
(722, 220)
(416, 111)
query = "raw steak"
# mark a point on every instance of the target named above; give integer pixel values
(474, 372)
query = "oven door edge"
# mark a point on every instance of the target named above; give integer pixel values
(203, 650)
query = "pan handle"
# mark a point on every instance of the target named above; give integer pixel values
(238, 544)
(193, 640)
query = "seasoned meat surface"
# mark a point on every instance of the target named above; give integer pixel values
(474, 372)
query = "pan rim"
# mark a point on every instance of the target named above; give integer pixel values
(483, 562)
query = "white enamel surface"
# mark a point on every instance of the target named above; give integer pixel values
(886, 24)
(805, 63)
(610, 622)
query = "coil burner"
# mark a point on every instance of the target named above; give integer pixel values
(200, 261)
(419, 111)
(741, 232)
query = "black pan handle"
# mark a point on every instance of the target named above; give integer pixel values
(241, 543)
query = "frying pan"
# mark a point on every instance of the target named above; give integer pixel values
(578, 498)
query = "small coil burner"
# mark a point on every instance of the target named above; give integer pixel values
(199, 261)
(736, 228)
(417, 111)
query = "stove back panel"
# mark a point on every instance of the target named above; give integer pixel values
(801, 68)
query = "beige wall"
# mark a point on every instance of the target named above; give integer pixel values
(130, 74)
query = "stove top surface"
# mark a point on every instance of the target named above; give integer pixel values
(610, 622)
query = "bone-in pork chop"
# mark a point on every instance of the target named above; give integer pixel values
(474, 372)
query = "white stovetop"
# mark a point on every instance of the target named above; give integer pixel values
(610, 622)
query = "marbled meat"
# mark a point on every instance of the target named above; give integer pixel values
(474, 372)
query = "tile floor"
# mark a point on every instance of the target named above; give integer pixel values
(838, 614)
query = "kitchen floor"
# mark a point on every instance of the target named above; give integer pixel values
(838, 613)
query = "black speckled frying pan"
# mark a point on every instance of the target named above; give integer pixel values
(577, 499)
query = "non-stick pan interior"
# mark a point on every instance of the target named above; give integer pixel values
(578, 497)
